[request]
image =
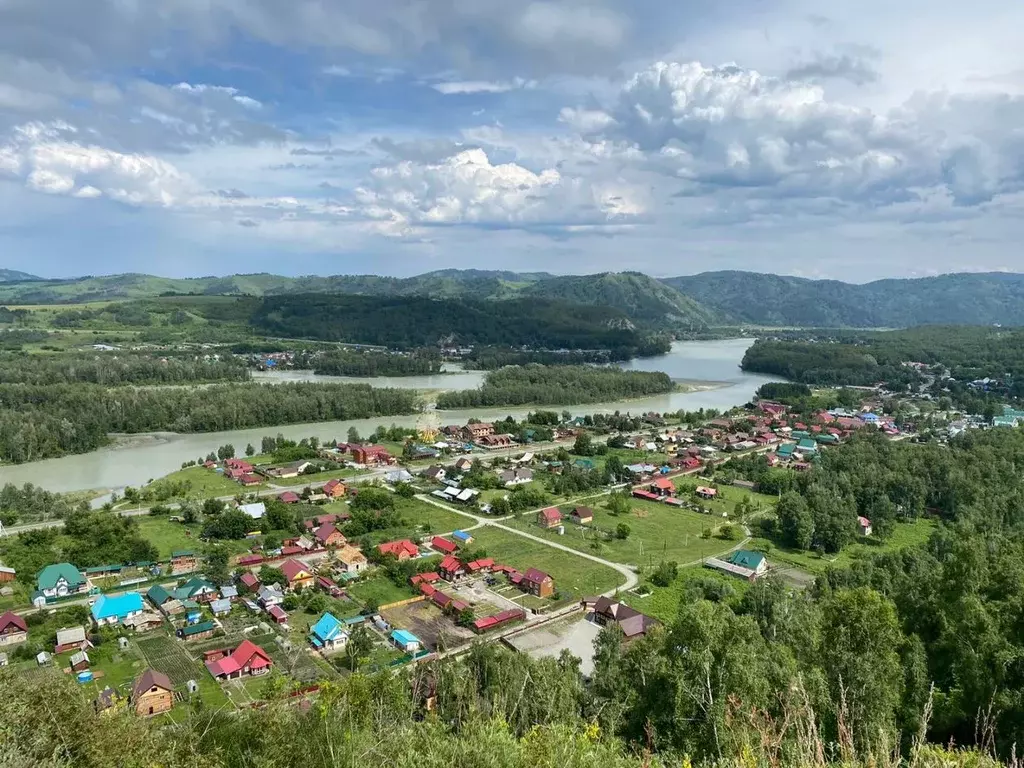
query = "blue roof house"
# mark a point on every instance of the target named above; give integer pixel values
(462, 537)
(405, 641)
(328, 634)
(116, 609)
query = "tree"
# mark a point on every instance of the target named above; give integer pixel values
(618, 503)
(216, 567)
(860, 642)
(622, 531)
(796, 524)
(353, 435)
(613, 466)
(189, 511)
(358, 648)
(584, 444)
(213, 507)
(226, 452)
(665, 573)
(268, 445)
(375, 499)
(250, 450)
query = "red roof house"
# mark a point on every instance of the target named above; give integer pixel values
(249, 479)
(443, 545)
(483, 564)
(371, 454)
(424, 578)
(289, 497)
(329, 535)
(13, 629)
(297, 573)
(334, 488)
(241, 464)
(537, 582)
(277, 614)
(451, 568)
(549, 518)
(403, 549)
(247, 659)
(663, 486)
(427, 590)
(250, 581)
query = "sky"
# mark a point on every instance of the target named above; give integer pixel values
(848, 140)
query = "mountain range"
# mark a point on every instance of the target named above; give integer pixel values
(673, 303)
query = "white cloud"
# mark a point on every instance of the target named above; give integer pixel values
(483, 86)
(467, 188)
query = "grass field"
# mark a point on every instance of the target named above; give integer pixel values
(319, 477)
(422, 518)
(657, 532)
(905, 535)
(574, 576)
(206, 483)
(167, 536)
(379, 589)
(663, 602)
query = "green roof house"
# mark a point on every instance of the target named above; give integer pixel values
(807, 445)
(785, 450)
(159, 595)
(753, 561)
(196, 589)
(60, 580)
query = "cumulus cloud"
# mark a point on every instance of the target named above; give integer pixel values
(726, 128)
(467, 188)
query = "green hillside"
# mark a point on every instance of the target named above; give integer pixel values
(13, 276)
(774, 300)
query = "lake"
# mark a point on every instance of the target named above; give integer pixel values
(151, 456)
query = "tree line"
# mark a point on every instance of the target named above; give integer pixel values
(42, 421)
(116, 368)
(421, 362)
(551, 385)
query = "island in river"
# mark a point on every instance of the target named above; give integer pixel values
(145, 457)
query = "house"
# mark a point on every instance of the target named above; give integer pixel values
(608, 612)
(451, 569)
(297, 573)
(549, 518)
(286, 471)
(220, 607)
(493, 442)
(424, 578)
(581, 515)
(6, 574)
(640, 493)
(60, 580)
(238, 464)
(270, 595)
(229, 592)
(116, 609)
(199, 631)
(403, 549)
(352, 560)
(69, 638)
(327, 634)
(371, 455)
(437, 473)
(443, 545)
(196, 588)
(13, 629)
(488, 623)
(517, 476)
(482, 565)
(474, 432)
(152, 693)
(463, 465)
(537, 583)
(276, 612)
(159, 596)
(247, 659)
(663, 486)
(183, 561)
(462, 537)
(328, 535)
(256, 510)
(250, 581)
(79, 662)
(398, 476)
(706, 493)
(742, 563)
(863, 525)
(248, 479)
(289, 497)
(335, 489)
(144, 622)
(107, 700)
(405, 641)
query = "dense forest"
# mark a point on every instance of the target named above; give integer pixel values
(424, 322)
(490, 358)
(420, 362)
(111, 369)
(42, 421)
(557, 385)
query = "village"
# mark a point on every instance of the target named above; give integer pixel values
(482, 537)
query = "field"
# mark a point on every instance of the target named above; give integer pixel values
(167, 536)
(379, 590)
(663, 602)
(905, 535)
(206, 483)
(318, 477)
(423, 518)
(574, 576)
(657, 532)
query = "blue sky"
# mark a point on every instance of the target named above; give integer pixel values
(181, 138)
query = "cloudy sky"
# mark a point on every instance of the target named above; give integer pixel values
(196, 137)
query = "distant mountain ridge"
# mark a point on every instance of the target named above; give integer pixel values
(673, 303)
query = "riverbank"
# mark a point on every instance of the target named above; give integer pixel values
(142, 457)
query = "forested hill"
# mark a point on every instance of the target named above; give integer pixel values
(774, 300)
(13, 275)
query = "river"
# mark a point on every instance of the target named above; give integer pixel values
(151, 456)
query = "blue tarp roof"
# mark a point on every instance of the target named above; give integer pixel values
(461, 535)
(404, 638)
